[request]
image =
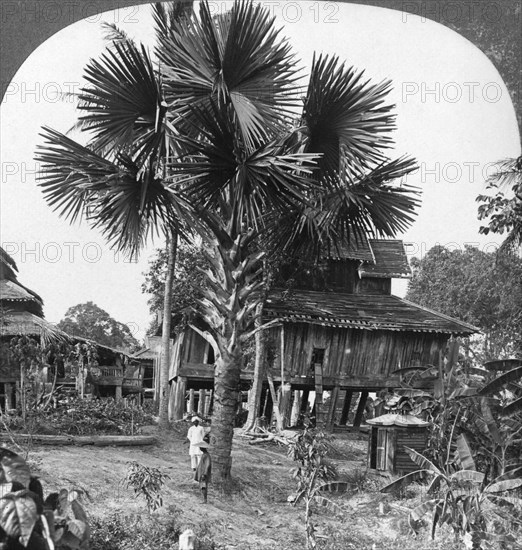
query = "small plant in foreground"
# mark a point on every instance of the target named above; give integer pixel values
(313, 474)
(28, 521)
(146, 482)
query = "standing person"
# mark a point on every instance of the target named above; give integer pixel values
(195, 435)
(204, 470)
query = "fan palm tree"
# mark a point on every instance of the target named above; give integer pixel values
(123, 108)
(246, 168)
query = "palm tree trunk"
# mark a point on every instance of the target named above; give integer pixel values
(226, 385)
(257, 383)
(172, 248)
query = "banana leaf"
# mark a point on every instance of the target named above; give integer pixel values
(467, 475)
(464, 453)
(422, 461)
(503, 486)
(498, 383)
(418, 475)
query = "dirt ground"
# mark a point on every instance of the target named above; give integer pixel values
(256, 515)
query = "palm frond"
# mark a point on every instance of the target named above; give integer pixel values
(338, 213)
(237, 60)
(112, 33)
(346, 118)
(270, 179)
(122, 199)
(122, 105)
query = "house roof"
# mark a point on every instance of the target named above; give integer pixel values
(395, 419)
(14, 291)
(390, 260)
(24, 323)
(368, 312)
(358, 250)
(379, 257)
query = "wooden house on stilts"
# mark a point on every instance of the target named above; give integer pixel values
(339, 329)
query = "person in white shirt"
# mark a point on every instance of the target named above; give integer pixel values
(195, 435)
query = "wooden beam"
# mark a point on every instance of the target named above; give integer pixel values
(360, 409)
(346, 407)
(330, 418)
(319, 413)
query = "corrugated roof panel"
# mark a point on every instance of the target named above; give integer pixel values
(369, 312)
(390, 260)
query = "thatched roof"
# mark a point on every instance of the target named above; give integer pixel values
(24, 323)
(7, 266)
(368, 312)
(12, 291)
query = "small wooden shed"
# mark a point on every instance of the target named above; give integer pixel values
(389, 434)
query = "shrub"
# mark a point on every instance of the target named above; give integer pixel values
(28, 521)
(147, 483)
(84, 417)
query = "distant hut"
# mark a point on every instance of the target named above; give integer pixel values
(21, 314)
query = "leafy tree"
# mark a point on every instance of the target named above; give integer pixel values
(187, 280)
(480, 288)
(504, 212)
(243, 167)
(94, 323)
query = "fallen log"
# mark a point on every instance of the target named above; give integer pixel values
(96, 440)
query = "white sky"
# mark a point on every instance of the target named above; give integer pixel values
(454, 116)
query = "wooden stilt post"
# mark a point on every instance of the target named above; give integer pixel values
(211, 403)
(8, 396)
(178, 390)
(191, 409)
(296, 407)
(346, 407)
(285, 404)
(330, 418)
(201, 402)
(319, 413)
(360, 409)
(304, 402)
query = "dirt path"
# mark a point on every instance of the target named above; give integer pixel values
(255, 516)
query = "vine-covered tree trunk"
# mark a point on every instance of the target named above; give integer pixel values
(172, 247)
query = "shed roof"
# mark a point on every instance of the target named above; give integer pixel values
(363, 311)
(390, 260)
(358, 249)
(396, 419)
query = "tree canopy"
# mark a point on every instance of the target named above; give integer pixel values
(92, 322)
(503, 210)
(187, 280)
(484, 289)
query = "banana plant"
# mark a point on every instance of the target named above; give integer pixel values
(474, 507)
